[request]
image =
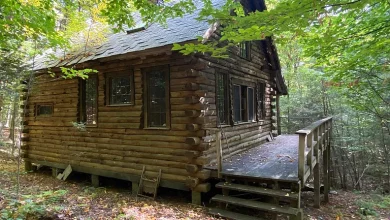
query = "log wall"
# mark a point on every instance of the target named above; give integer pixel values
(119, 144)
(239, 137)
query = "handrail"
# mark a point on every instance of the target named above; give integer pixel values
(312, 126)
(313, 139)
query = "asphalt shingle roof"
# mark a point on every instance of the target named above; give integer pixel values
(177, 30)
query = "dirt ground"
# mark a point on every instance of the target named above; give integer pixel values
(77, 199)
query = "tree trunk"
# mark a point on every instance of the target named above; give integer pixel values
(13, 122)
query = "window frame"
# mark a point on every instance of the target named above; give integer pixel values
(145, 71)
(225, 77)
(36, 108)
(235, 121)
(246, 111)
(253, 103)
(82, 105)
(244, 46)
(110, 76)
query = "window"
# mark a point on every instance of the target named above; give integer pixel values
(88, 100)
(43, 109)
(251, 104)
(156, 100)
(120, 89)
(261, 100)
(222, 99)
(237, 103)
(244, 50)
(244, 102)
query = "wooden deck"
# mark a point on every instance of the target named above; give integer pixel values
(276, 170)
(276, 160)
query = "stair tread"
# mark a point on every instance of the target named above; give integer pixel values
(231, 215)
(258, 190)
(256, 205)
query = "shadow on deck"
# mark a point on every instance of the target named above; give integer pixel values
(275, 160)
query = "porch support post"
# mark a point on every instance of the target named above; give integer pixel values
(218, 145)
(278, 122)
(134, 188)
(28, 166)
(95, 180)
(326, 174)
(54, 172)
(317, 185)
(196, 198)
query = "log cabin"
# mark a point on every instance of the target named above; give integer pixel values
(148, 106)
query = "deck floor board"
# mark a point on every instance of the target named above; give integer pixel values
(276, 160)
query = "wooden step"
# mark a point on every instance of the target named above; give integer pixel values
(258, 190)
(257, 205)
(231, 215)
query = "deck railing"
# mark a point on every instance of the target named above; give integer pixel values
(313, 140)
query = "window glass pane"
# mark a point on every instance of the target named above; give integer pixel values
(157, 100)
(251, 104)
(243, 49)
(44, 110)
(237, 103)
(244, 104)
(221, 98)
(91, 100)
(120, 90)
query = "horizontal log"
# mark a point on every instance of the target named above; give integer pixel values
(191, 182)
(192, 113)
(192, 154)
(192, 168)
(96, 166)
(192, 86)
(193, 127)
(193, 141)
(192, 100)
(115, 133)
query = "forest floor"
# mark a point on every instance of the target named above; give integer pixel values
(44, 197)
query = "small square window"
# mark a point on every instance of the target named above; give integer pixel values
(120, 89)
(44, 109)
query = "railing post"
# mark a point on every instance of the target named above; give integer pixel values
(310, 155)
(316, 137)
(301, 157)
(219, 153)
(315, 134)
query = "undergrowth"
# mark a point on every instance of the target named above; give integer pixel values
(32, 206)
(371, 206)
